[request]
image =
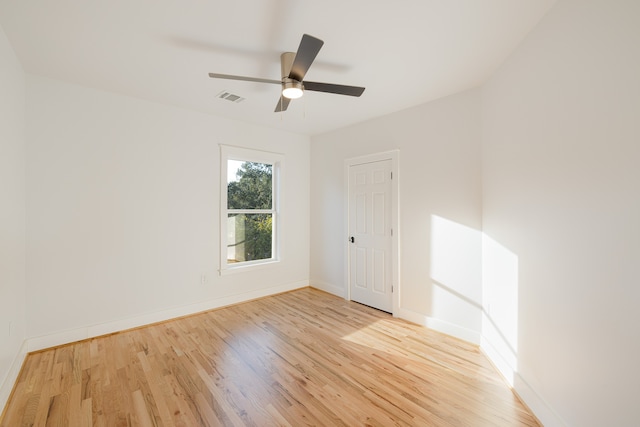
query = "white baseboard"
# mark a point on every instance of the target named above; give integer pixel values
(498, 361)
(60, 338)
(541, 409)
(12, 376)
(439, 325)
(327, 287)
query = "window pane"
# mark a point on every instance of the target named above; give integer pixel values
(250, 187)
(249, 237)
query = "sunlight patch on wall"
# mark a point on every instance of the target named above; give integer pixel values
(500, 306)
(456, 272)
(474, 285)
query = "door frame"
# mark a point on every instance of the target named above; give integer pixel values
(392, 155)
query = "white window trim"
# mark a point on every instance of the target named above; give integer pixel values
(228, 152)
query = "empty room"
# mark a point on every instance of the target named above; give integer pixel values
(282, 212)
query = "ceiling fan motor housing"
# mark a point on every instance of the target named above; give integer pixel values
(291, 88)
(286, 61)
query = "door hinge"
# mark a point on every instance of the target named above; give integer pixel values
(392, 231)
(391, 175)
(391, 288)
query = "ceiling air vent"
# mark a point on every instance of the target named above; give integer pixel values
(230, 96)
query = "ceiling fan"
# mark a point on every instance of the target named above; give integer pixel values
(294, 66)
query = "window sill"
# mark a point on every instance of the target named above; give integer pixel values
(242, 268)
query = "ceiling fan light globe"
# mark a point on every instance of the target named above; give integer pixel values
(292, 93)
(292, 89)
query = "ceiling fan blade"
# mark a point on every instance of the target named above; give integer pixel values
(333, 88)
(307, 52)
(246, 79)
(282, 105)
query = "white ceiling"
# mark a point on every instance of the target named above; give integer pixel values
(405, 52)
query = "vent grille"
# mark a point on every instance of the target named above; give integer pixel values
(232, 97)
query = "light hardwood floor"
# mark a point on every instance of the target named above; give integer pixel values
(295, 359)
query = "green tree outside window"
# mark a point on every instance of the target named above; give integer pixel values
(252, 233)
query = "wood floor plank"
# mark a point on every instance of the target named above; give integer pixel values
(303, 358)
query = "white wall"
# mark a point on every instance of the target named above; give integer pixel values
(440, 244)
(561, 162)
(12, 217)
(123, 212)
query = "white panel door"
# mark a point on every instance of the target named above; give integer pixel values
(370, 277)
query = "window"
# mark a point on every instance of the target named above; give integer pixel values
(249, 207)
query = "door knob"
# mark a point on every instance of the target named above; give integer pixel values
(351, 239)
